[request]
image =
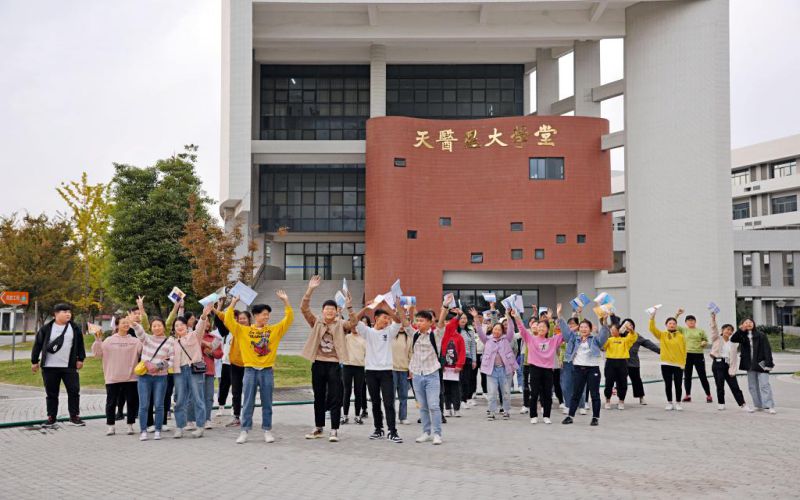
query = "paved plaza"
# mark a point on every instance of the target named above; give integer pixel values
(642, 451)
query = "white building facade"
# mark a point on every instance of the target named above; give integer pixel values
(676, 136)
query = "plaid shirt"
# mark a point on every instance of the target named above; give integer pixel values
(424, 360)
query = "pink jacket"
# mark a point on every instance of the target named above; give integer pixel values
(191, 346)
(500, 347)
(541, 351)
(120, 355)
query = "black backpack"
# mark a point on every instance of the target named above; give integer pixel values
(433, 343)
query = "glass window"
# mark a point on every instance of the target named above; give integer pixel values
(561, 239)
(538, 254)
(445, 221)
(740, 177)
(783, 169)
(766, 278)
(516, 254)
(741, 210)
(546, 168)
(581, 239)
(311, 197)
(784, 204)
(411, 234)
(516, 226)
(312, 92)
(399, 162)
(788, 269)
(476, 258)
(462, 88)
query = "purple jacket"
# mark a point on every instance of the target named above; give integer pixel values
(501, 347)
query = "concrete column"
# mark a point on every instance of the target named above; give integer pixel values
(678, 106)
(776, 269)
(758, 312)
(377, 80)
(587, 76)
(546, 81)
(237, 95)
(527, 105)
(755, 266)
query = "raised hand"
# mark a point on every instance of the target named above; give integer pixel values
(282, 295)
(473, 312)
(558, 310)
(234, 301)
(207, 310)
(140, 302)
(314, 282)
(348, 300)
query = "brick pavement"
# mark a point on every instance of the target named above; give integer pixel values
(643, 451)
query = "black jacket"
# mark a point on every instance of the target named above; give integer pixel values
(76, 353)
(761, 351)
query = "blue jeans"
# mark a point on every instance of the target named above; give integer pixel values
(264, 381)
(189, 391)
(427, 387)
(499, 381)
(155, 387)
(520, 372)
(401, 387)
(567, 384)
(208, 392)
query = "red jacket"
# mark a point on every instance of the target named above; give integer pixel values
(452, 340)
(216, 353)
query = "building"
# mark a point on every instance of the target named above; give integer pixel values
(766, 227)
(360, 140)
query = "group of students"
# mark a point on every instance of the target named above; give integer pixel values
(404, 347)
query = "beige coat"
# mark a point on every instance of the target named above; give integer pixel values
(716, 350)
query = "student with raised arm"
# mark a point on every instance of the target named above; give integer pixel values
(379, 378)
(673, 359)
(498, 364)
(258, 344)
(189, 383)
(584, 351)
(696, 340)
(234, 366)
(567, 373)
(326, 348)
(424, 369)
(541, 359)
(470, 349)
(724, 363)
(401, 356)
(634, 371)
(618, 351)
(756, 359)
(120, 354)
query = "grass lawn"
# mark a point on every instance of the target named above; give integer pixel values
(20, 346)
(791, 341)
(290, 371)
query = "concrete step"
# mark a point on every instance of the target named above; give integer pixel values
(295, 338)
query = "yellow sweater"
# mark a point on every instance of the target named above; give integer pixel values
(258, 346)
(673, 346)
(620, 347)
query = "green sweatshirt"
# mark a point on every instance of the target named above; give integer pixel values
(694, 339)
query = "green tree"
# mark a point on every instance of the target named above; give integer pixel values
(90, 205)
(37, 255)
(149, 218)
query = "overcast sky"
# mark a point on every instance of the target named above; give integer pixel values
(85, 83)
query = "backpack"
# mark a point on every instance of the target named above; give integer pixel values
(433, 343)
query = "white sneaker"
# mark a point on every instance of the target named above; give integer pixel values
(131, 432)
(547, 420)
(720, 407)
(143, 436)
(642, 401)
(334, 437)
(669, 407)
(772, 411)
(535, 420)
(190, 426)
(178, 434)
(164, 428)
(152, 428)
(242, 438)
(608, 406)
(220, 413)
(209, 425)
(157, 436)
(523, 410)
(450, 413)
(562, 406)
(268, 437)
(437, 439)
(748, 409)
(423, 438)
(405, 422)
(565, 411)
(582, 411)
(586, 405)
(111, 430)
(678, 407)
(620, 406)
(457, 414)
(198, 433)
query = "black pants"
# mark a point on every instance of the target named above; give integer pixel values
(541, 390)
(557, 385)
(237, 378)
(129, 392)
(467, 381)
(52, 378)
(120, 403)
(326, 380)
(526, 386)
(672, 377)
(720, 369)
(452, 394)
(585, 377)
(483, 376)
(381, 383)
(616, 373)
(167, 403)
(353, 378)
(224, 385)
(635, 373)
(696, 360)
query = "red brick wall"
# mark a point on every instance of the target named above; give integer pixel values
(482, 190)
